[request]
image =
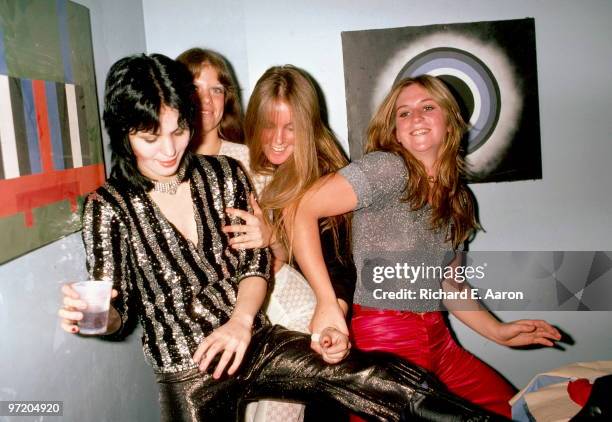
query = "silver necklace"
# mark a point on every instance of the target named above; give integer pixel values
(170, 187)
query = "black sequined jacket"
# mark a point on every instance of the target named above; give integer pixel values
(179, 291)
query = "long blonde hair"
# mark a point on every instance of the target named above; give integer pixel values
(451, 201)
(316, 152)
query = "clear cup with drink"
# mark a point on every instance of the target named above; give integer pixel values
(97, 295)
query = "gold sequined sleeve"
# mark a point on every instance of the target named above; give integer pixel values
(105, 239)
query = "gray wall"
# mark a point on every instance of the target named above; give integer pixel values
(98, 381)
(569, 209)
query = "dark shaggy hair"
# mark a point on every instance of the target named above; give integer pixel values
(136, 89)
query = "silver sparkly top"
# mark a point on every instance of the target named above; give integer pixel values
(179, 291)
(388, 232)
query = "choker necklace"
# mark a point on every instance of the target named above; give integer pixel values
(171, 186)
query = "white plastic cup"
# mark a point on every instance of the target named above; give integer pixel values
(97, 295)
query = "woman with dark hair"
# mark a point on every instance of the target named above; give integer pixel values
(409, 200)
(154, 229)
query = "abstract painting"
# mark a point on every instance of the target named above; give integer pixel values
(50, 139)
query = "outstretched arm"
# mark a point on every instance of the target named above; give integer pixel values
(523, 332)
(231, 339)
(331, 195)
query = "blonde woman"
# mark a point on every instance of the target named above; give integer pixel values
(408, 198)
(219, 131)
(292, 147)
(291, 303)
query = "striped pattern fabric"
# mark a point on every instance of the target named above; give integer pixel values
(179, 291)
(42, 127)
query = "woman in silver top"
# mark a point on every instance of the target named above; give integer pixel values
(412, 208)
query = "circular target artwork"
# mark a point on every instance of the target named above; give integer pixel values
(490, 67)
(472, 83)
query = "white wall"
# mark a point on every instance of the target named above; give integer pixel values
(96, 380)
(569, 209)
(117, 28)
(173, 27)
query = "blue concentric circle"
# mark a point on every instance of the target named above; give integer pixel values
(470, 80)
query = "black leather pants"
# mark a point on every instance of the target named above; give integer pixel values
(281, 365)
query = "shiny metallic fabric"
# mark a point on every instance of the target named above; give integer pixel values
(280, 364)
(179, 291)
(385, 227)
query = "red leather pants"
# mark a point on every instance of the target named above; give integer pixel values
(424, 339)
